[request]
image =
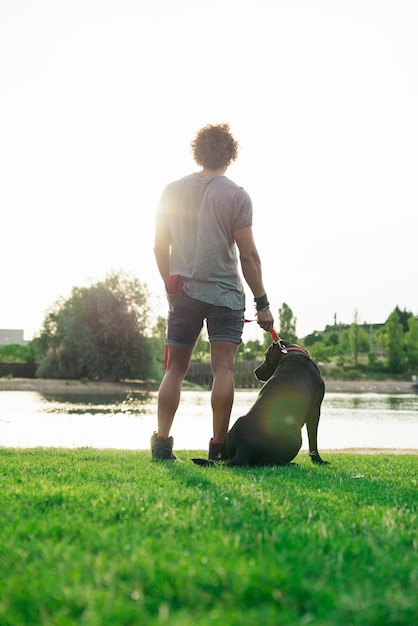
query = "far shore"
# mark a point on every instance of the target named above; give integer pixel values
(43, 385)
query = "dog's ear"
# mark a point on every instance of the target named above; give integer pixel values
(259, 373)
(273, 357)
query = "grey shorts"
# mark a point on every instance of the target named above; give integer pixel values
(185, 321)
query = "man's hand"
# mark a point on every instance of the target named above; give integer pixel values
(265, 320)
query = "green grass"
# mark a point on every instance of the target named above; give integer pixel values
(104, 537)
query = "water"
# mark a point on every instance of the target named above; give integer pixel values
(126, 421)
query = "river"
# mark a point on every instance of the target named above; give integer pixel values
(125, 421)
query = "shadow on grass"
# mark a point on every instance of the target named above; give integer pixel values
(381, 479)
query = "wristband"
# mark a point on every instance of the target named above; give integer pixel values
(262, 303)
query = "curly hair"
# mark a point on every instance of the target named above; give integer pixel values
(214, 146)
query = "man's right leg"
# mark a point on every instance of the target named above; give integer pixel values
(225, 330)
(223, 355)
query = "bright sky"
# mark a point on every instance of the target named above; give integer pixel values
(99, 100)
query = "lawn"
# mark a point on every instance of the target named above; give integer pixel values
(107, 537)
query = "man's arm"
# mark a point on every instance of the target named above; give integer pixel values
(162, 246)
(251, 269)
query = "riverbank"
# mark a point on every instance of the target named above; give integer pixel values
(76, 386)
(44, 385)
(370, 386)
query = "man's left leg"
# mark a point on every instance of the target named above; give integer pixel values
(170, 388)
(168, 402)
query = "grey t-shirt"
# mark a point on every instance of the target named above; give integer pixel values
(202, 216)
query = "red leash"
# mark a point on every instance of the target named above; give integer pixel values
(275, 338)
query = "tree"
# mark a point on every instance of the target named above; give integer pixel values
(403, 318)
(333, 339)
(320, 352)
(411, 343)
(354, 338)
(99, 332)
(313, 338)
(201, 351)
(251, 350)
(157, 349)
(287, 323)
(395, 343)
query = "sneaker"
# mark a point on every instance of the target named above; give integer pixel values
(162, 449)
(217, 451)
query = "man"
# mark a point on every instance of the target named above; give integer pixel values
(201, 221)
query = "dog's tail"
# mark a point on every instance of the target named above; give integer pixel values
(204, 462)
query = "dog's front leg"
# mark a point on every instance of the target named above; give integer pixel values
(312, 428)
(317, 459)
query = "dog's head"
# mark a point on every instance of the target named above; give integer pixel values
(273, 356)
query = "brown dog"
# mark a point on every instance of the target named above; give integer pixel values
(270, 433)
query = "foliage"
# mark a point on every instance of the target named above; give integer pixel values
(359, 350)
(157, 350)
(395, 342)
(287, 323)
(251, 350)
(16, 353)
(359, 340)
(313, 338)
(411, 343)
(99, 332)
(354, 338)
(320, 352)
(109, 537)
(381, 349)
(403, 317)
(201, 352)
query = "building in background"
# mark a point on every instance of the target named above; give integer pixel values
(12, 336)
